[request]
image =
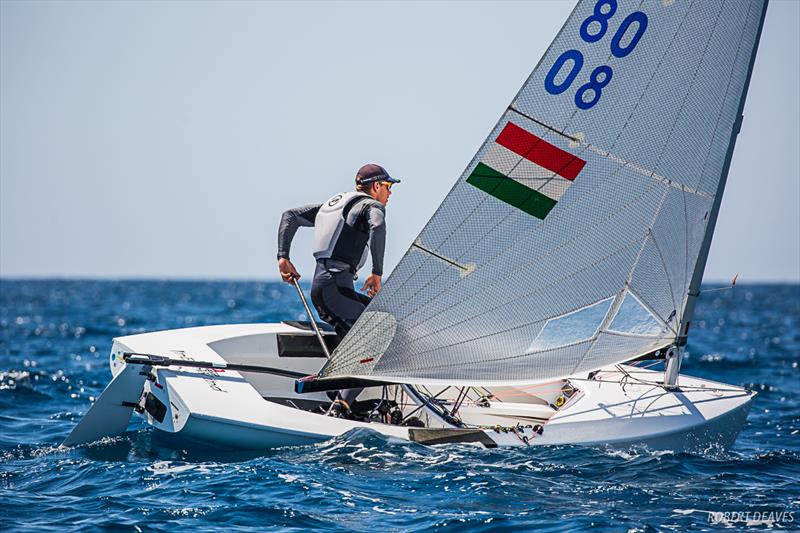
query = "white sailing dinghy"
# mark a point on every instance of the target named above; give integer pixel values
(573, 244)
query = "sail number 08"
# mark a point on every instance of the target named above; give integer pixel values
(601, 76)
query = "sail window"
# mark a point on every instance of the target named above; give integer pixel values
(571, 328)
(634, 319)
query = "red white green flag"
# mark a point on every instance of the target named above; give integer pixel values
(525, 171)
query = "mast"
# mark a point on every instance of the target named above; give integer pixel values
(675, 354)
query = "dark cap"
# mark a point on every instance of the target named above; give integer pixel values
(372, 173)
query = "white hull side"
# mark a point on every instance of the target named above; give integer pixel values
(686, 435)
(621, 414)
(230, 434)
(690, 436)
(719, 433)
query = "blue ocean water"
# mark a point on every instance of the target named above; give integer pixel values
(54, 340)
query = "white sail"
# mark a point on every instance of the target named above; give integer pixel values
(570, 241)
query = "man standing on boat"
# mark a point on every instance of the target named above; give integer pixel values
(344, 227)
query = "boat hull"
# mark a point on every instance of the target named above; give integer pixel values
(717, 434)
(620, 407)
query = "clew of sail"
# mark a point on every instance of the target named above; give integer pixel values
(570, 241)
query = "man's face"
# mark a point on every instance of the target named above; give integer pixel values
(382, 191)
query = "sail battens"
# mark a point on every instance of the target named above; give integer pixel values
(573, 139)
(578, 143)
(594, 187)
(669, 182)
(465, 269)
(615, 333)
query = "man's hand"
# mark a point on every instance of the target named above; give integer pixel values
(372, 285)
(288, 272)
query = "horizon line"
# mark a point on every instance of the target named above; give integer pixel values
(222, 279)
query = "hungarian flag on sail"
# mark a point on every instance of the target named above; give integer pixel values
(525, 171)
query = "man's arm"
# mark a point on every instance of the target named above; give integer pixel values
(291, 220)
(376, 220)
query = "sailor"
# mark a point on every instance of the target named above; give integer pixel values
(345, 227)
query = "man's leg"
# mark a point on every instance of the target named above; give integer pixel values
(340, 305)
(337, 303)
(336, 300)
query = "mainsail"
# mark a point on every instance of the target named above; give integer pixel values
(570, 241)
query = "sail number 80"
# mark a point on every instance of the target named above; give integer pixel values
(594, 28)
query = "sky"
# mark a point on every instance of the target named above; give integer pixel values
(164, 140)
